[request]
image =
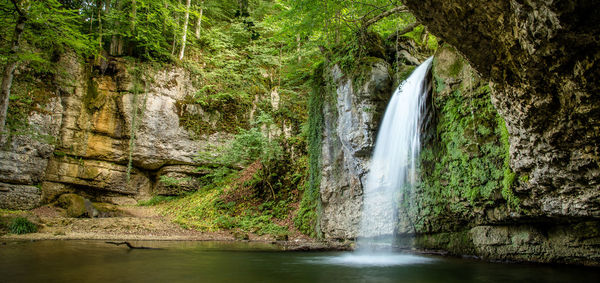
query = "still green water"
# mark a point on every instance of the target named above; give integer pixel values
(96, 261)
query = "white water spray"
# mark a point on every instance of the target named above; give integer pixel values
(393, 162)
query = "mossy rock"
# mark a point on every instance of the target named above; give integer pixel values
(450, 67)
(241, 236)
(74, 205)
(372, 44)
(107, 209)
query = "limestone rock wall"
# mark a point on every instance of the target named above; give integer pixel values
(92, 114)
(542, 57)
(350, 122)
(24, 157)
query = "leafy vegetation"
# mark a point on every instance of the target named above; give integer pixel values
(156, 200)
(308, 215)
(22, 225)
(465, 160)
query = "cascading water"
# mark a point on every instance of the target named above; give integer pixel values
(393, 162)
(392, 168)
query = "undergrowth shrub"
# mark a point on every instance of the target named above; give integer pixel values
(22, 225)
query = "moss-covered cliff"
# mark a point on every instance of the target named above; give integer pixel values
(464, 172)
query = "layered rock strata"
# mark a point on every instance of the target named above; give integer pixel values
(93, 115)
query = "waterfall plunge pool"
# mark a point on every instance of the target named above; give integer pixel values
(96, 261)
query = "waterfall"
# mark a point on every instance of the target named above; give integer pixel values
(393, 163)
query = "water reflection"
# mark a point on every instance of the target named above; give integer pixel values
(95, 261)
(373, 260)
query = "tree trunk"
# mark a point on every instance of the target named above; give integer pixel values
(185, 26)
(115, 40)
(398, 9)
(199, 21)
(175, 32)
(9, 69)
(99, 5)
(299, 44)
(425, 36)
(133, 16)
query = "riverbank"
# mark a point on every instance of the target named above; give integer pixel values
(137, 223)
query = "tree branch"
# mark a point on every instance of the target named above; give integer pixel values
(130, 246)
(18, 9)
(407, 29)
(398, 9)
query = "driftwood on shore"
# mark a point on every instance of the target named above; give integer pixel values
(130, 246)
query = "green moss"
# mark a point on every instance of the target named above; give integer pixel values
(462, 164)
(454, 242)
(455, 68)
(156, 200)
(222, 113)
(27, 95)
(509, 176)
(92, 98)
(405, 73)
(362, 71)
(356, 54)
(439, 84)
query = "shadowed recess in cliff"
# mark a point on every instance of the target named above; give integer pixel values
(393, 163)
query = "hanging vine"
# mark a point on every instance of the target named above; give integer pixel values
(136, 110)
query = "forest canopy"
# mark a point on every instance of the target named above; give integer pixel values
(227, 42)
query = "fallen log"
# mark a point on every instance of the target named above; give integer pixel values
(130, 246)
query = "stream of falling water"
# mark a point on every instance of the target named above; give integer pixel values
(393, 163)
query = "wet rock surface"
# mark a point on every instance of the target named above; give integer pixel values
(350, 124)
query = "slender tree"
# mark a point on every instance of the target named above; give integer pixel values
(133, 16)
(20, 8)
(185, 28)
(199, 20)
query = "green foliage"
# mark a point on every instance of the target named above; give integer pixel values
(251, 145)
(137, 111)
(22, 225)
(50, 29)
(330, 22)
(210, 210)
(509, 176)
(156, 200)
(465, 160)
(307, 218)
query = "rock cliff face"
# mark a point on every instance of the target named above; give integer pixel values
(94, 115)
(350, 121)
(542, 57)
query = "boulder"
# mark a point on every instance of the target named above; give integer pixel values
(74, 205)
